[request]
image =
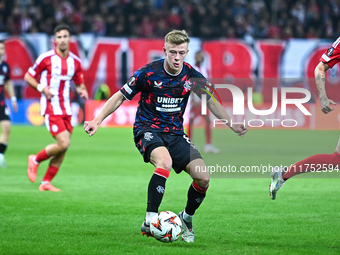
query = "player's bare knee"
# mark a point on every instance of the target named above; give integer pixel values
(63, 145)
(66, 145)
(165, 164)
(203, 182)
(6, 131)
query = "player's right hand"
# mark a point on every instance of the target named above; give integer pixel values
(90, 127)
(326, 105)
(48, 93)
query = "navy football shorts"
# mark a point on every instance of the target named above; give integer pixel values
(4, 113)
(181, 149)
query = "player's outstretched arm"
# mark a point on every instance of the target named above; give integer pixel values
(109, 107)
(320, 78)
(218, 110)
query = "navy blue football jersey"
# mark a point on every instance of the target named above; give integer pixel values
(163, 97)
(4, 76)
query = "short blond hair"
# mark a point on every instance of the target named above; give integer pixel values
(177, 37)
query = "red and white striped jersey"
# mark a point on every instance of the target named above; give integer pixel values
(57, 73)
(332, 54)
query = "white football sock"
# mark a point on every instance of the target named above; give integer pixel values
(187, 217)
(149, 216)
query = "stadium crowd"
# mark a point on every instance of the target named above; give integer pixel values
(209, 19)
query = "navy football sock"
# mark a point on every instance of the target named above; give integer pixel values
(3, 148)
(196, 195)
(156, 189)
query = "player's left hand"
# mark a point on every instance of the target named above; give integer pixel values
(83, 94)
(326, 105)
(240, 129)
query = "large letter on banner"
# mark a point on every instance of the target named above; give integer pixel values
(233, 61)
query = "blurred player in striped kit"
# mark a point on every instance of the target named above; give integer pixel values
(56, 69)
(195, 110)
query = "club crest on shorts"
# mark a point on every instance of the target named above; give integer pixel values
(148, 136)
(55, 128)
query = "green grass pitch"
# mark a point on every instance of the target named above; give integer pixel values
(102, 202)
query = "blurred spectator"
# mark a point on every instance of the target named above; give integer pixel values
(98, 26)
(261, 30)
(298, 12)
(208, 19)
(274, 32)
(26, 22)
(146, 27)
